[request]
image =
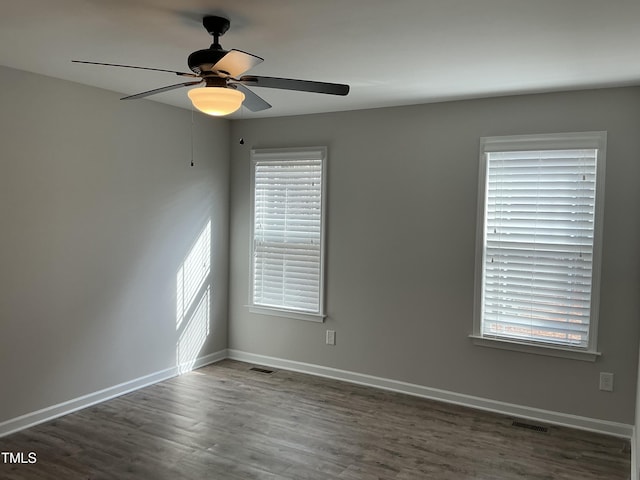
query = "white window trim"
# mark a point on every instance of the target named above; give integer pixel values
(283, 154)
(281, 312)
(542, 142)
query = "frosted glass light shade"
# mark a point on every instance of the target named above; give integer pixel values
(217, 101)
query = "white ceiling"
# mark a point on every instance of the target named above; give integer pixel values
(390, 52)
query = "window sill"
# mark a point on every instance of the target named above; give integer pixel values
(548, 350)
(277, 312)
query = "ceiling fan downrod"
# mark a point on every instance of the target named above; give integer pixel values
(216, 26)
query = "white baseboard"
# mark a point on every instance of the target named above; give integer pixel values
(34, 418)
(545, 416)
(519, 411)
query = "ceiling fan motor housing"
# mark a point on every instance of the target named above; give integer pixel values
(202, 61)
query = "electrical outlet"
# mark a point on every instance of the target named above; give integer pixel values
(606, 381)
(331, 337)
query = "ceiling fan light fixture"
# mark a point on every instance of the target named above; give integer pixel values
(216, 101)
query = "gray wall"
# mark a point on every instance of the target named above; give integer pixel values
(99, 207)
(402, 194)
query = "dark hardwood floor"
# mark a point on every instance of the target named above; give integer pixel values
(227, 422)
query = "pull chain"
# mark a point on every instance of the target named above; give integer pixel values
(192, 121)
(241, 141)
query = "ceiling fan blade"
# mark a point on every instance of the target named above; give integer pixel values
(182, 74)
(160, 90)
(236, 62)
(252, 101)
(291, 84)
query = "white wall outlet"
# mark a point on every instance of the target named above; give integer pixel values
(606, 381)
(331, 337)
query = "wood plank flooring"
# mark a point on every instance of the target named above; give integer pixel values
(226, 422)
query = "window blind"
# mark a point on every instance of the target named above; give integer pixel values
(287, 226)
(539, 245)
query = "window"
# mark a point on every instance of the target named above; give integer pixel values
(287, 255)
(537, 258)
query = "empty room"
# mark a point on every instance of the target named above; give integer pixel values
(296, 240)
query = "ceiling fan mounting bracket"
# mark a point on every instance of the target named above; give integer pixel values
(216, 26)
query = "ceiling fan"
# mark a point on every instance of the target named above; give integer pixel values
(224, 90)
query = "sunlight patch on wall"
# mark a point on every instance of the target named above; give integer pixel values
(194, 335)
(193, 293)
(192, 273)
